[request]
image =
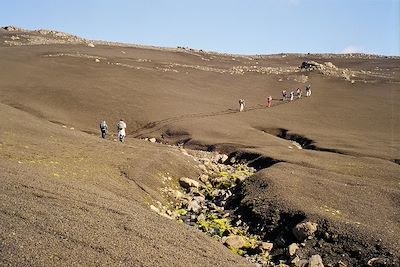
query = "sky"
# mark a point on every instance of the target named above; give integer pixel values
(249, 27)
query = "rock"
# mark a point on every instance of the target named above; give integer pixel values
(223, 158)
(267, 246)
(311, 65)
(204, 178)
(154, 208)
(194, 206)
(177, 194)
(153, 140)
(97, 60)
(330, 65)
(377, 262)
(293, 249)
(304, 230)
(203, 168)
(201, 217)
(315, 261)
(205, 160)
(235, 241)
(12, 29)
(187, 183)
(221, 179)
(295, 261)
(199, 199)
(90, 44)
(194, 191)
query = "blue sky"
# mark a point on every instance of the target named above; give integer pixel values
(239, 27)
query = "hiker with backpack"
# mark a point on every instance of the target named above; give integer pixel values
(241, 105)
(291, 95)
(298, 92)
(269, 101)
(284, 95)
(308, 90)
(103, 129)
(121, 130)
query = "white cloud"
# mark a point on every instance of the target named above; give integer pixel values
(351, 49)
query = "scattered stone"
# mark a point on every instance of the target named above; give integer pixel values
(315, 261)
(201, 217)
(153, 140)
(177, 194)
(187, 183)
(304, 230)
(295, 261)
(235, 241)
(90, 44)
(267, 246)
(204, 178)
(293, 249)
(194, 206)
(154, 208)
(330, 65)
(12, 29)
(377, 262)
(97, 60)
(223, 158)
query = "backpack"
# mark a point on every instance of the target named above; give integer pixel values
(103, 125)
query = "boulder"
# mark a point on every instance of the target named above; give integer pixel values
(315, 261)
(194, 206)
(267, 246)
(311, 65)
(223, 158)
(330, 65)
(177, 194)
(204, 178)
(12, 29)
(187, 183)
(235, 241)
(304, 230)
(293, 249)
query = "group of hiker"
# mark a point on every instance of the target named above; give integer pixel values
(121, 126)
(285, 96)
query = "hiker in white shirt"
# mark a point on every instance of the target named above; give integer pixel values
(121, 130)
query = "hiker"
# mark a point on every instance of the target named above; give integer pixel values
(103, 129)
(241, 105)
(121, 130)
(269, 101)
(291, 95)
(298, 92)
(284, 95)
(308, 90)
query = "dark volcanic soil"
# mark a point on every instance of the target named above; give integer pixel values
(69, 198)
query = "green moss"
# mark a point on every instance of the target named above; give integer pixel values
(223, 174)
(181, 212)
(240, 252)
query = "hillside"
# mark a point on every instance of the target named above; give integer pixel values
(71, 198)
